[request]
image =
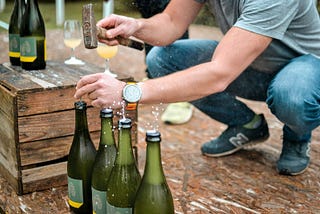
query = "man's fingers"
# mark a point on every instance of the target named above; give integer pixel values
(87, 89)
(85, 85)
(99, 103)
(89, 79)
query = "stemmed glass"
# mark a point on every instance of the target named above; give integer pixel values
(107, 52)
(72, 35)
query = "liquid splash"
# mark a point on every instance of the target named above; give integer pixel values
(153, 124)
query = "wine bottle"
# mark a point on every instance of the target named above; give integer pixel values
(125, 178)
(32, 38)
(103, 163)
(14, 31)
(80, 162)
(154, 195)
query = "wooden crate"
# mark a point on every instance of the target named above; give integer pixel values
(37, 123)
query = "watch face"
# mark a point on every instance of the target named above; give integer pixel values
(132, 93)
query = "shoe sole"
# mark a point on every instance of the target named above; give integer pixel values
(245, 146)
(293, 174)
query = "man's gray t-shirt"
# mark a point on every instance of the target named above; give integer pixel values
(294, 26)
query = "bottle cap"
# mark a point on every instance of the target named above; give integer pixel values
(153, 136)
(125, 123)
(106, 113)
(80, 105)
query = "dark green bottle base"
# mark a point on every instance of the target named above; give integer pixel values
(33, 65)
(81, 210)
(15, 61)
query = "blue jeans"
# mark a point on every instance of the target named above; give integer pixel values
(292, 93)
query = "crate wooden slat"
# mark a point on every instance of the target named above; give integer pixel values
(37, 123)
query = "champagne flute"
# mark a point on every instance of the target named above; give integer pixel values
(107, 52)
(72, 35)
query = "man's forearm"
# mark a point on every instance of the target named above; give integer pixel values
(157, 30)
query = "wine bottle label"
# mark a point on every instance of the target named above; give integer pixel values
(28, 48)
(99, 199)
(118, 210)
(75, 192)
(14, 45)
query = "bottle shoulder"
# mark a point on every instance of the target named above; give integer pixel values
(32, 23)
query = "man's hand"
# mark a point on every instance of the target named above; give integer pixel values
(101, 89)
(117, 25)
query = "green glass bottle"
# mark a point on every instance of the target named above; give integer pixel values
(32, 38)
(14, 31)
(80, 162)
(125, 178)
(103, 163)
(154, 195)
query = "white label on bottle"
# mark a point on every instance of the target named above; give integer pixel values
(99, 199)
(14, 45)
(75, 192)
(118, 210)
(28, 49)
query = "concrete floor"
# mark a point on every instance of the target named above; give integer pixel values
(245, 182)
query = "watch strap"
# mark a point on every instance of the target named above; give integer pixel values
(131, 106)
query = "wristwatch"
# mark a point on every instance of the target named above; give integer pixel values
(131, 93)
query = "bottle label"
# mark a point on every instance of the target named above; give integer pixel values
(118, 210)
(28, 48)
(14, 45)
(75, 192)
(99, 199)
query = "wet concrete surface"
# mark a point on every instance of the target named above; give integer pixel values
(245, 182)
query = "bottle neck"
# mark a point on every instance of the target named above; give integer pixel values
(18, 11)
(125, 154)
(107, 136)
(32, 5)
(81, 125)
(153, 168)
(22, 6)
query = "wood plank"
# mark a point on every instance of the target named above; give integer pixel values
(39, 102)
(57, 124)
(8, 150)
(50, 149)
(44, 177)
(37, 152)
(56, 74)
(7, 101)
(8, 128)
(11, 176)
(11, 78)
(47, 101)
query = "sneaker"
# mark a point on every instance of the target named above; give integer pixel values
(177, 113)
(294, 158)
(235, 138)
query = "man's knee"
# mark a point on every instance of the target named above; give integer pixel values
(155, 62)
(291, 106)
